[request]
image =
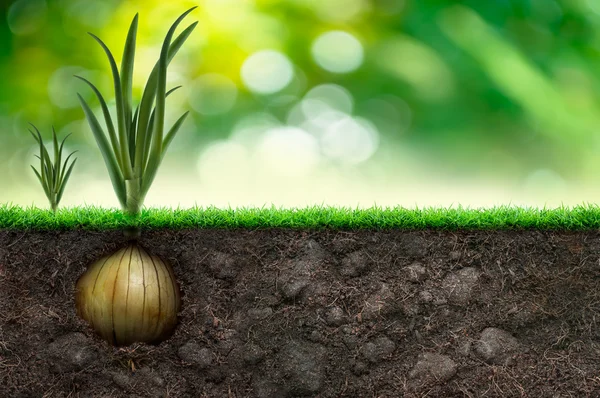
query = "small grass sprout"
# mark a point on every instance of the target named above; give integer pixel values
(53, 174)
(135, 148)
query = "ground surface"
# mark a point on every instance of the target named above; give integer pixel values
(286, 313)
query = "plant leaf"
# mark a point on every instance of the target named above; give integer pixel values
(63, 182)
(150, 126)
(161, 89)
(62, 176)
(141, 156)
(152, 163)
(173, 131)
(45, 157)
(114, 171)
(122, 127)
(127, 71)
(132, 135)
(42, 182)
(108, 119)
(55, 142)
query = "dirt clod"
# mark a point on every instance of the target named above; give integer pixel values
(378, 349)
(196, 354)
(71, 352)
(459, 286)
(433, 368)
(415, 272)
(496, 345)
(335, 316)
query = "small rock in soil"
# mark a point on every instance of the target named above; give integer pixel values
(496, 346)
(415, 272)
(335, 316)
(355, 264)
(458, 286)
(194, 353)
(432, 367)
(71, 352)
(301, 368)
(378, 349)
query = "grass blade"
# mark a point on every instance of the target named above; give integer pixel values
(108, 119)
(114, 171)
(127, 71)
(122, 128)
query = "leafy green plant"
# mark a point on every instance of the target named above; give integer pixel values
(134, 149)
(52, 175)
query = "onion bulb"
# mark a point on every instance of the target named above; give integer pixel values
(129, 296)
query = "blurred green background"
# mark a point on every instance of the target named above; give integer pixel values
(339, 102)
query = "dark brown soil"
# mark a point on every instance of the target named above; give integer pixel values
(287, 313)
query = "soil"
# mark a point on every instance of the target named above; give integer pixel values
(316, 313)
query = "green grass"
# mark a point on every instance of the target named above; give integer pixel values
(583, 217)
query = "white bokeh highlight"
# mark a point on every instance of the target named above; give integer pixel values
(287, 151)
(338, 52)
(267, 72)
(333, 96)
(350, 140)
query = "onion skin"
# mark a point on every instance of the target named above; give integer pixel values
(129, 296)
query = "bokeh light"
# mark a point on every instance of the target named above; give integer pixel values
(26, 17)
(350, 140)
(338, 52)
(267, 72)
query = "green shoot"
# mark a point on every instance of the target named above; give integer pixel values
(135, 148)
(52, 174)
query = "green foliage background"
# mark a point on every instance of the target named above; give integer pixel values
(494, 89)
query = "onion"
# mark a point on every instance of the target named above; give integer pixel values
(129, 296)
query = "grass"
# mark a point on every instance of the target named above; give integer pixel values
(583, 217)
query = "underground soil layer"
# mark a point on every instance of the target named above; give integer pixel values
(316, 313)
